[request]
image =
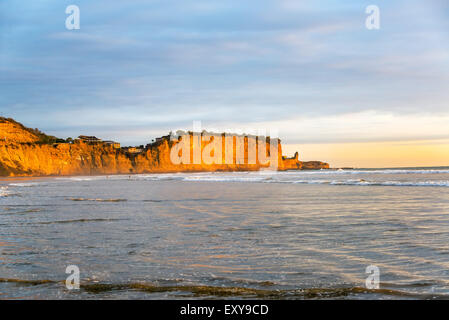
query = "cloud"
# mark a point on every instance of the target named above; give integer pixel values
(162, 64)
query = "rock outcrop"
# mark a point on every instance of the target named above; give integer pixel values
(314, 165)
(28, 152)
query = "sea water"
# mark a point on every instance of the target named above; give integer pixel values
(277, 235)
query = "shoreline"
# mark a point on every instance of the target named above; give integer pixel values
(19, 178)
(35, 177)
(6, 179)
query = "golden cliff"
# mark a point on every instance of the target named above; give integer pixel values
(29, 152)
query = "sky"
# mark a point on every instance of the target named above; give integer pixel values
(310, 70)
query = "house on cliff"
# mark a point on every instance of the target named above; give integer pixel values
(133, 150)
(114, 144)
(89, 139)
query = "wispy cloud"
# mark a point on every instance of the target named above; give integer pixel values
(155, 65)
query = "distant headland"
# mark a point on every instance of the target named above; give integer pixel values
(30, 152)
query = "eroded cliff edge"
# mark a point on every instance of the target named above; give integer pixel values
(29, 152)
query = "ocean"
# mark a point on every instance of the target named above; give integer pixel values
(239, 235)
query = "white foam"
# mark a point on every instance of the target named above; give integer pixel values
(83, 178)
(381, 177)
(297, 177)
(417, 183)
(374, 171)
(375, 183)
(311, 182)
(225, 179)
(25, 184)
(4, 192)
(158, 177)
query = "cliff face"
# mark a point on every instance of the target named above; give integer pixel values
(62, 159)
(22, 155)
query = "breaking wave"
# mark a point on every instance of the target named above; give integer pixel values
(292, 179)
(373, 171)
(406, 177)
(226, 179)
(25, 184)
(363, 182)
(4, 192)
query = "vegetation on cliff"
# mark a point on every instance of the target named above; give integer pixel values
(35, 135)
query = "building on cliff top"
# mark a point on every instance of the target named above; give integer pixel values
(89, 139)
(114, 144)
(132, 149)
